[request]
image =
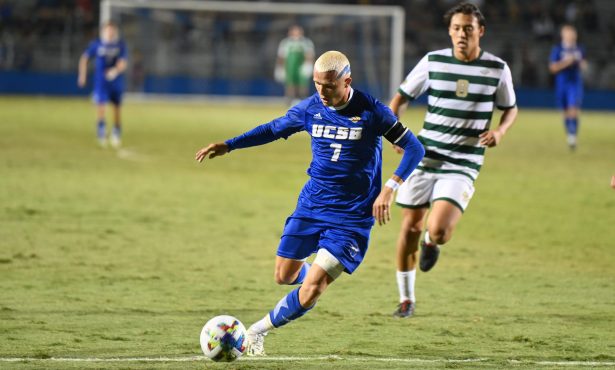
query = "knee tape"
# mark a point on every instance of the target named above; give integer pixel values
(329, 263)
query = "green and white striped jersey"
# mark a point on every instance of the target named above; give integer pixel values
(462, 97)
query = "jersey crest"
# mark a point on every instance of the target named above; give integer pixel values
(355, 119)
(462, 88)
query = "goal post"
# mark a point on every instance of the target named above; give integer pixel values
(371, 36)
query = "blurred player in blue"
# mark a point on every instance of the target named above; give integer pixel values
(109, 52)
(337, 206)
(567, 62)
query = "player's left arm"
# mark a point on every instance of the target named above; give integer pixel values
(505, 99)
(307, 67)
(120, 66)
(116, 70)
(582, 60)
(492, 138)
(414, 151)
(279, 72)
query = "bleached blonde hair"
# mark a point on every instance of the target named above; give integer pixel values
(333, 60)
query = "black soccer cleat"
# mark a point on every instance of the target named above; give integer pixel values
(404, 309)
(429, 256)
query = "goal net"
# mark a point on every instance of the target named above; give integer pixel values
(229, 48)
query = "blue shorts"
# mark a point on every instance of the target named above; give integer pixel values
(569, 97)
(303, 236)
(108, 93)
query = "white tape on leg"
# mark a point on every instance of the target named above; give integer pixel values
(329, 263)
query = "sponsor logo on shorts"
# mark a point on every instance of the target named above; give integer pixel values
(353, 250)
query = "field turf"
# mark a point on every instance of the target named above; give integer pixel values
(120, 254)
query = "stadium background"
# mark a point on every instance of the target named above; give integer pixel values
(180, 52)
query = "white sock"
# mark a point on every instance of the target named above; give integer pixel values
(262, 326)
(427, 240)
(405, 284)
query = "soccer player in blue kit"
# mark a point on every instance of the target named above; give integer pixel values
(338, 204)
(109, 52)
(567, 62)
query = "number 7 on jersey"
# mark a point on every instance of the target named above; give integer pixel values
(337, 149)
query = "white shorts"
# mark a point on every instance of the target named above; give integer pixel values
(422, 188)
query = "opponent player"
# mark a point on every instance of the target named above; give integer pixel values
(337, 206)
(464, 84)
(567, 62)
(110, 56)
(294, 64)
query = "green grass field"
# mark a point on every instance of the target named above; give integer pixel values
(121, 254)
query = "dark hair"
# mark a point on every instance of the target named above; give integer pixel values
(465, 8)
(109, 23)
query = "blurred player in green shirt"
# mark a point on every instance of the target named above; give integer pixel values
(294, 64)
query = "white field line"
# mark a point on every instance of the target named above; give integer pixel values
(303, 359)
(132, 155)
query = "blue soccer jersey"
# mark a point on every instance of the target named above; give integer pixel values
(106, 56)
(568, 81)
(345, 172)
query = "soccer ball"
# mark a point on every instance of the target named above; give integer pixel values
(223, 338)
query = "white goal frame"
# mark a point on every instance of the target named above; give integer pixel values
(396, 13)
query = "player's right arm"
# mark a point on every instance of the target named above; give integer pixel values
(259, 135)
(398, 104)
(83, 63)
(414, 85)
(213, 150)
(283, 127)
(83, 70)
